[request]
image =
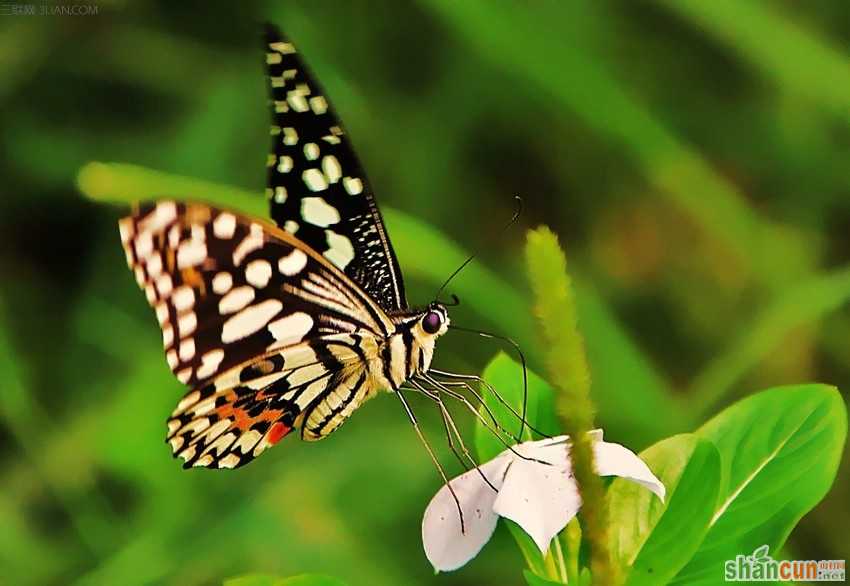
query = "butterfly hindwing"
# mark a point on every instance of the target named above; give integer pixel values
(318, 189)
(227, 289)
(236, 417)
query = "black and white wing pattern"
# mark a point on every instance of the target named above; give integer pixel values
(268, 333)
(318, 189)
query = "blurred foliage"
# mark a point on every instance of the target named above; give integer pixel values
(692, 156)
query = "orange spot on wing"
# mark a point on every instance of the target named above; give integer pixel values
(194, 279)
(277, 431)
(240, 418)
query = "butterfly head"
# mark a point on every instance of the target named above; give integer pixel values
(435, 320)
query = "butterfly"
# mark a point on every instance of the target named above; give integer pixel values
(286, 325)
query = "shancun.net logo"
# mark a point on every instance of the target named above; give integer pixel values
(761, 567)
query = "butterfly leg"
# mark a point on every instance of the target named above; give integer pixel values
(495, 431)
(456, 379)
(452, 431)
(447, 418)
(445, 386)
(434, 459)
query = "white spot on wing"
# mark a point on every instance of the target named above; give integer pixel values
(297, 98)
(319, 105)
(229, 461)
(258, 272)
(184, 375)
(318, 212)
(164, 285)
(154, 266)
(144, 245)
(250, 320)
(331, 168)
(290, 137)
(305, 374)
(248, 440)
(187, 350)
(290, 329)
(140, 275)
(250, 243)
(284, 162)
(282, 47)
(222, 283)
(167, 336)
(292, 263)
(340, 251)
(236, 299)
(224, 226)
(125, 227)
(177, 442)
(311, 151)
(203, 461)
(161, 313)
(314, 180)
(210, 362)
(164, 213)
(191, 253)
(183, 298)
(280, 194)
(352, 185)
(187, 323)
(187, 401)
(291, 226)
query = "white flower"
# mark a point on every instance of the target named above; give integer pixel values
(537, 491)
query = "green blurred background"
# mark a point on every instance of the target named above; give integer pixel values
(693, 156)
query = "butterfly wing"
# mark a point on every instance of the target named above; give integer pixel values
(263, 328)
(317, 187)
(227, 289)
(235, 418)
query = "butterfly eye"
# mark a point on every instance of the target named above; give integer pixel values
(432, 322)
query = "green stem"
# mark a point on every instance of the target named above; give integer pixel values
(566, 364)
(573, 545)
(562, 567)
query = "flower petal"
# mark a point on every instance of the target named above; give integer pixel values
(540, 498)
(552, 450)
(446, 547)
(617, 460)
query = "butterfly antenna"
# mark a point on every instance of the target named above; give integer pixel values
(517, 212)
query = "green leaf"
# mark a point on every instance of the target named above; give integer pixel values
(779, 453)
(505, 376)
(268, 580)
(530, 552)
(657, 539)
(533, 579)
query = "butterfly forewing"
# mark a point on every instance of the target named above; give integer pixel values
(227, 289)
(317, 187)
